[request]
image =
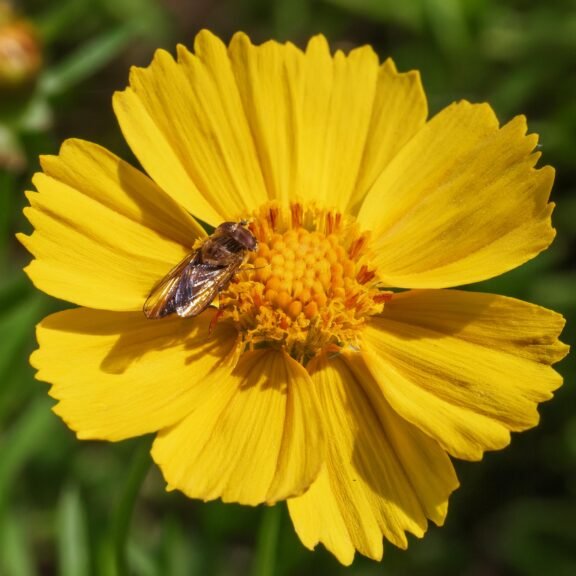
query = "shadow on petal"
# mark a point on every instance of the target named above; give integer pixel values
(140, 337)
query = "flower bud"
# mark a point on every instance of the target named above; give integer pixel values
(20, 52)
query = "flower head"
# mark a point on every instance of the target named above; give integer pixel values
(316, 380)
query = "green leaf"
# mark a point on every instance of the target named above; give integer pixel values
(124, 511)
(73, 549)
(87, 60)
(23, 440)
(20, 309)
(148, 15)
(180, 550)
(56, 21)
(142, 561)
(16, 326)
(38, 115)
(15, 553)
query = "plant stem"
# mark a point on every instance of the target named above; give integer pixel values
(123, 518)
(267, 544)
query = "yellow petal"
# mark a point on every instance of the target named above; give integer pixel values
(399, 111)
(336, 110)
(460, 203)
(225, 131)
(117, 375)
(104, 234)
(318, 517)
(268, 79)
(382, 476)
(257, 438)
(185, 122)
(310, 116)
(465, 368)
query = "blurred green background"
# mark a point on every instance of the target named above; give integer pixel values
(64, 504)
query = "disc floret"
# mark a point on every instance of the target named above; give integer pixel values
(310, 285)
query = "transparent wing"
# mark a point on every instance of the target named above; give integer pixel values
(161, 301)
(189, 287)
(205, 281)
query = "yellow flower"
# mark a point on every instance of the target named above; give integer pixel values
(318, 383)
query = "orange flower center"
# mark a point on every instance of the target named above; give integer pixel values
(310, 285)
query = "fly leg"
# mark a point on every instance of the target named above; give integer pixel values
(214, 320)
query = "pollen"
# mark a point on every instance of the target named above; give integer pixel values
(309, 287)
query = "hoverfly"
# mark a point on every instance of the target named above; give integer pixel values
(191, 285)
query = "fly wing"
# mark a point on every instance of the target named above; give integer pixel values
(189, 287)
(205, 281)
(162, 299)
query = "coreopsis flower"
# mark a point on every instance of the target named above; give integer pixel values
(316, 380)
